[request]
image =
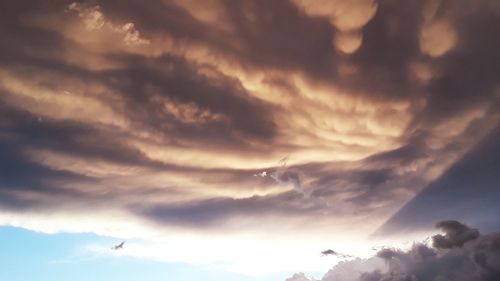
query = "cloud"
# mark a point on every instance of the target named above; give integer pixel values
(467, 191)
(348, 18)
(284, 175)
(94, 19)
(299, 277)
(476, 260)
(355, 269)
(160, 112)
(456, 235)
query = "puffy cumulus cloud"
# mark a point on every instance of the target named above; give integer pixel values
(162, 112)
(299, 277)
(356, 269)
(478, 259)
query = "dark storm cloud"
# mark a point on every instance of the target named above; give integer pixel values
(359, 189)
(279, 35)
(23, 131)
(190, 99)
(469, 72)
(456, 235)
(213, 213)
(19, 174)
(267, 33)
(469, 191)
(390, 42)
(33, 132)
(463, 78)
(50, 187)
(182, 82)
(466, 74)
(425, 263)
(16, 35)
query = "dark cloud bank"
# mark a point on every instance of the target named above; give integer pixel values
(461, 253)
(469, 191)
(264, 37)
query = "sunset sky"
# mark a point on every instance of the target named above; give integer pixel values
(237, 140)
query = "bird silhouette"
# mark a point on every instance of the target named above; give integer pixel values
(331, 252)
(119, 246)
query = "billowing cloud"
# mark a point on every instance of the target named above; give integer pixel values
(299, 277)
(478, 259)
(348, 17)
(161, 113)
(456, 235)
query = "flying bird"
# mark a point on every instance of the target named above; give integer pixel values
(119, 246)
(331, 252)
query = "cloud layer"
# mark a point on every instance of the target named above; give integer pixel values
(158, 114)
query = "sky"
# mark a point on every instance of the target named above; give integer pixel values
(237, 140)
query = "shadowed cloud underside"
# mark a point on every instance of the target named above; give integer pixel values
(166, 120)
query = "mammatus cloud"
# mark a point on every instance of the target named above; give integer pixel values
(156, 113)
(347, 17)
(476, 257)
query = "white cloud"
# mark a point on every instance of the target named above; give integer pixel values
(478, 259)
